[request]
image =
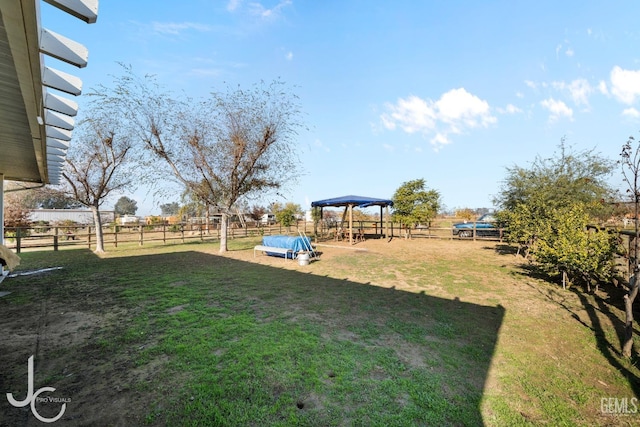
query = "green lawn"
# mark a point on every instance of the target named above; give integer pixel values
(411, 333)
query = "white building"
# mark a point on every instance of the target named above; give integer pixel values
(80, 216)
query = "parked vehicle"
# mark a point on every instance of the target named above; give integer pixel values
(484, 227)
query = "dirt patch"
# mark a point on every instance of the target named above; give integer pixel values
(64, 338)
(177, 308)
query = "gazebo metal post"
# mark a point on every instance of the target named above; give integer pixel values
(386, 232)
(351, 224)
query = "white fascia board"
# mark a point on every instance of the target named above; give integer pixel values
(56, 151)
(62, 48)
(58, 120)
(59, 103)
(61, 81)
(85, 10)
(56, 143)
(54, 158)
(57, 133)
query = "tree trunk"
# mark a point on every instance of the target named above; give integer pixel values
(97, 221)
(224, 220)
(630, 297)
(207, 219)
(627, 347)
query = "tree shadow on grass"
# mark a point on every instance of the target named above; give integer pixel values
(221, 333)
(503, 249)
(593, 304)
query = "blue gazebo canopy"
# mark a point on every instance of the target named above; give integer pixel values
(359, 201)
(354, 201)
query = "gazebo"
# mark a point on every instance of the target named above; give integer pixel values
(349, 202)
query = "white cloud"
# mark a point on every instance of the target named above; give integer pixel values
(625, 84)
(579, 89)
(440, 140)
(411, 114)
(569, 52)
(175, 28)
(459, 107)
(602, 87)
(320, 145)
(456, 112)
(631, 113)
(265, 13)
(206, 72)
(289, 56)
(531, 84)
(509, 109)
(233, 5)
(558, 109)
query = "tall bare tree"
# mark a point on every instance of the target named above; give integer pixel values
(232, 145)
(630, 162)
(98, 165)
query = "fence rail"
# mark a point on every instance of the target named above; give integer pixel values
(56, 237)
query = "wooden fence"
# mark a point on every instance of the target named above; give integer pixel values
(56, 237)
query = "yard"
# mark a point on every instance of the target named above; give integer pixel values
(408, 332)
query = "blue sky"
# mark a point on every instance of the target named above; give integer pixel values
(449, 91)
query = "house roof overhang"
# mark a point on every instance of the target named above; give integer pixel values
(35, 121)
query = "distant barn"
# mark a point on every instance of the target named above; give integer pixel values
(80, 216)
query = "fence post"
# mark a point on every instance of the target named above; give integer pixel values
(182, 231)
(200, 227)
(164, 232)
(55, 238)
(89, 236)
(115, 236)
(18, 239)
(141, 242)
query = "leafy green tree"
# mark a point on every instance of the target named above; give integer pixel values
(465, 213)
(566, 247)
(125, 206)
(51, 198)
(567, 177)
(170, 209)
(413, 204)
(530, 196)
(287, 214)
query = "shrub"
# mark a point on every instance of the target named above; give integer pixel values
(564, 246)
